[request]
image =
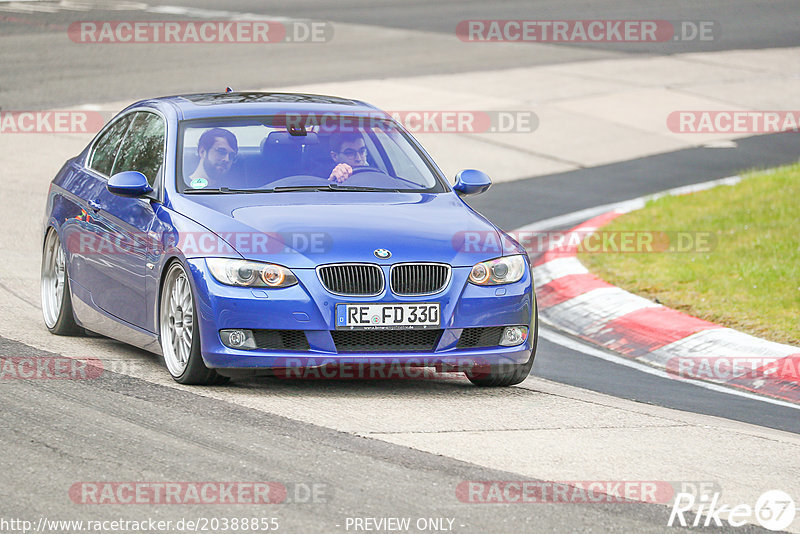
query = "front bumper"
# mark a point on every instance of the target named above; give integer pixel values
(310, 308)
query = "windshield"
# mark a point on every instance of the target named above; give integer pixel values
(271, 154)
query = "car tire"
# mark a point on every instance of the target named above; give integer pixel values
(178, 331)
(56, 297)
(506, 374)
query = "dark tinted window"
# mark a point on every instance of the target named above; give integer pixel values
(105, 150)
(143, 147)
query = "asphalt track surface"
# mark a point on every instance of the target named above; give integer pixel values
(43, 69)
(58, 432)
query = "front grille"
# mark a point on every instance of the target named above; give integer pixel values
(386, 340)
(281, 339)
(362, 279)
(480, 337)
(419, 278)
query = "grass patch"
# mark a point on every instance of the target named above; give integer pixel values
(748, 280)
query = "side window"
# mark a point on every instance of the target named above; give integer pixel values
(143, 147)
(105, 150)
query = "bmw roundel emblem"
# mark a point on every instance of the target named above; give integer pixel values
(382, 253)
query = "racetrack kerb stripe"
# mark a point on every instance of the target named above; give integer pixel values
(638, 334)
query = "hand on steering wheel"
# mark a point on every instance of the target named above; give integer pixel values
(343, 171)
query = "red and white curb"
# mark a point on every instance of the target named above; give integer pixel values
(579, 303)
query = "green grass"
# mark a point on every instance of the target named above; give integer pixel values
(749, 279)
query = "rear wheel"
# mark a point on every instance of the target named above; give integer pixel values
(180, 338)
(56, 298)
(504, 374)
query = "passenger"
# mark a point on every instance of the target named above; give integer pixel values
(217, 149)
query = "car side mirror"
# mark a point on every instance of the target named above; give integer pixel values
(471, 182)
(131, 184)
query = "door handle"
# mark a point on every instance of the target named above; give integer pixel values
(95, 205)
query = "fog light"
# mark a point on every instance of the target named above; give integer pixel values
(514, 335)
(238, 339)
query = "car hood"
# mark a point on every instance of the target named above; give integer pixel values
(306, 229)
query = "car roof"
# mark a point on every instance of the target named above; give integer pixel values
(233, 104)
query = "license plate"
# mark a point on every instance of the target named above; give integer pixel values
(387, 316)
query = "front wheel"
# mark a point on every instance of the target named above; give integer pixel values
(56, 298)
(180, 338)
(505, 374)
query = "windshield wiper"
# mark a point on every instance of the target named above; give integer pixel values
(200, 191)
(328, 187)
(292, 188)
(340, 187)
(226, 190)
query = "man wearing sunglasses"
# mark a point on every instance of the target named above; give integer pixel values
(217, 149)
(348, 150)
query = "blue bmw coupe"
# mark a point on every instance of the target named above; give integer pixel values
(240, 234)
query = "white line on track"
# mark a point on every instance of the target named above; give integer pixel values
(571, 343)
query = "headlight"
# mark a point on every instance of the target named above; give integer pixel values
(503, 270)
(250, 273)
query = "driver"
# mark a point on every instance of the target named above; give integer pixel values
(217, 149)
(348, 150)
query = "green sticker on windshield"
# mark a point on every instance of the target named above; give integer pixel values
(198, 183)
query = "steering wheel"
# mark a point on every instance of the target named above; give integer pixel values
(367, 168)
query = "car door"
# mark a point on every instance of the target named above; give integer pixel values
(84, 235)
(120, 288)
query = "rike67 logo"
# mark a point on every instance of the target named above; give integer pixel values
(774, 510)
